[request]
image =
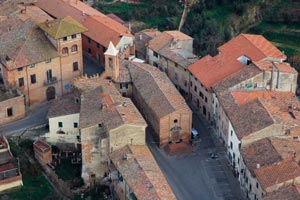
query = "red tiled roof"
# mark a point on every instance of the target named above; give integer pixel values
(282, 66)
(210, 71)
(160, 41)
(177, 35)
(290, 192)
(116, 18)
(41, 145)
(243, 97)
(142, 173)
(102, 29)
(277, 173)
(110, 30)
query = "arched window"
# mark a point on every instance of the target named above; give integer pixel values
(74, 48)
(65, 50)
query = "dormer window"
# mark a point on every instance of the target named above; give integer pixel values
(74, 36)
(65, 38)
(244, 60)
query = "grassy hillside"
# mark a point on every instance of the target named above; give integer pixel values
(213, 22)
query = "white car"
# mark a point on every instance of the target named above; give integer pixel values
(194, 133)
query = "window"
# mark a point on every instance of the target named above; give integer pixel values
(74, 36)
(20, 69)
(74, 48)
(124, 85)
(89, 50)
(49, 74)
(65, 50)
(75, 125)
(33, 78)
(9, 112)
(99, 125)
(65, 38)
(155, 54)
(240, 145)
(48, 61)
(231, 132)
(191, 83)
(250, 187)
(110, 62)
(175, 120)
(75, 66)
(195, 88)
(89, 40)
(21, 82)
(176, 65)
(98, 45)
(60, 124)
(231, 145)
(205, 99)
(155, 64)
(201, 94)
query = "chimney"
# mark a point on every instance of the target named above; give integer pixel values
(257, 166)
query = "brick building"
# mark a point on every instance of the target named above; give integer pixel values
(101, 29)
(165, 110)
(42, 152)
(44, 56)
(10, 175)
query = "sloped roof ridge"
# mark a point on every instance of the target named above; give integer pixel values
(140, 67)
(244, 35)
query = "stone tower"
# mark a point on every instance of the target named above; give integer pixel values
(112, 62)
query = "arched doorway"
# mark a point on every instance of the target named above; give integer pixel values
(175, 134)
(50, 93)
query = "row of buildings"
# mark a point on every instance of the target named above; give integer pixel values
(247, 92)
(105, 117)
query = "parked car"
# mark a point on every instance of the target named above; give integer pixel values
(194, 133)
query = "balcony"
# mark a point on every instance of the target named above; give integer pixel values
(50, 81)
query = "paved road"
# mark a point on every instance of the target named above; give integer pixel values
(197, 176)
(36, 115)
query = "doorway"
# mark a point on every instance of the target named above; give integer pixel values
(50, 93)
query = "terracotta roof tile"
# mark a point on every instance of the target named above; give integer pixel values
(93, 20)
(166, 98)
(29, 45)
(211, 70)
(260, 153)
(287, 146)
(62, 27)
(281, 66)
(103, 104)
(180, 56)
(142, 173)
(160, 41)
(116, 18)
(277, 173)
(257, 116)
(284, 193)
(179, 36)
(111, 31)
(63, 106)
(41, 145)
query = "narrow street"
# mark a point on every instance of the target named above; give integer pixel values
(197, 175)
(35, 115)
